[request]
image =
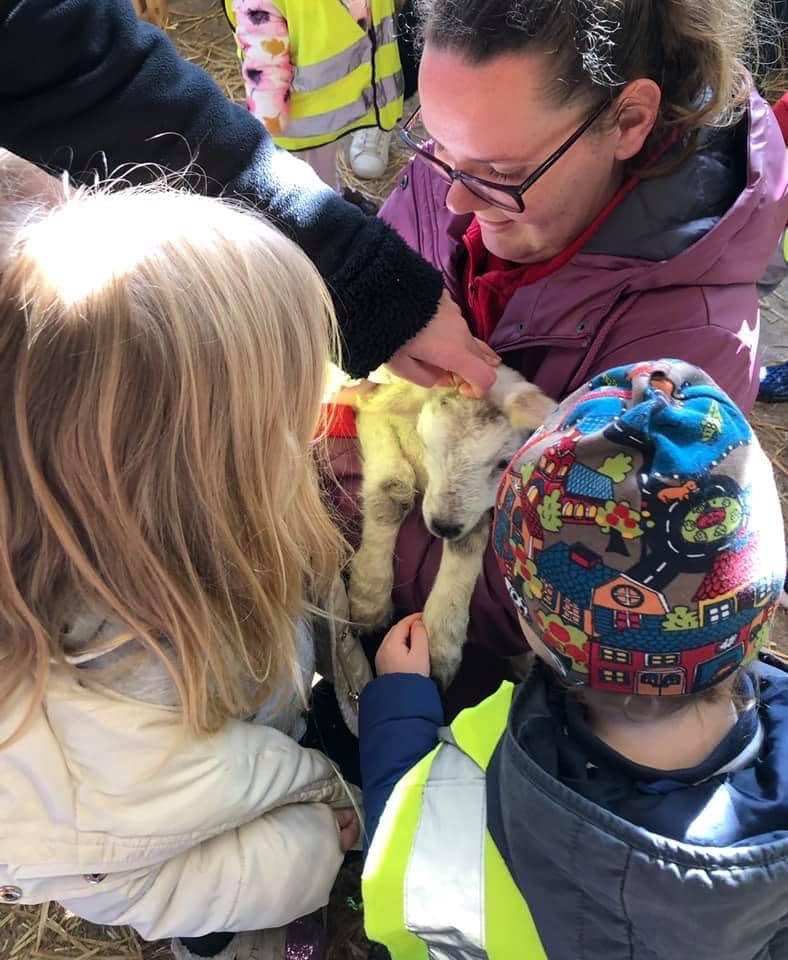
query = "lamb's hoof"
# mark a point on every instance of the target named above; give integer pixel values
(447, 632)
(443, 671)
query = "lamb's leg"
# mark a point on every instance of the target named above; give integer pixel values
(447, 611)
(387, 496)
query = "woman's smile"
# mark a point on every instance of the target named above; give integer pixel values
(494, 226)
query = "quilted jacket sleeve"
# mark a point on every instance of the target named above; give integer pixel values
(189, 833)
(399, 718)
(255, 877)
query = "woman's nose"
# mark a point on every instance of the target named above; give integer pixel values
(460, 200)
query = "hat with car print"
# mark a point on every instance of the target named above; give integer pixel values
(640, 534)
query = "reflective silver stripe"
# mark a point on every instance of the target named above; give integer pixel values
(333, 120)
(451, 833)
(386, 91)
(385, 32)
(315, 76)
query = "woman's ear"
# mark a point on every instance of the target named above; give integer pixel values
(636, 113)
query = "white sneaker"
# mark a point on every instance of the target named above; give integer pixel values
(369, 152)
(254, 945)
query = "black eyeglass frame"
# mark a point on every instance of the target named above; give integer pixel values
(516, 193)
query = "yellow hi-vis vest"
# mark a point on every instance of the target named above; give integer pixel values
(435, 886)
(344, 79)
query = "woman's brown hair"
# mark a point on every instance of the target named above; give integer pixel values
(697, 51)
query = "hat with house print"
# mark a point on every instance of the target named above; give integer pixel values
(639, 531)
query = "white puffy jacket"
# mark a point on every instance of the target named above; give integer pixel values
(110, 808)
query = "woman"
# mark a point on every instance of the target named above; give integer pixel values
(599, 183)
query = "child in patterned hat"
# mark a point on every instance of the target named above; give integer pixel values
(630, 798)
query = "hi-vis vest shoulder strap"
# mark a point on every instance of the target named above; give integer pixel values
(435, 886)
(345, 77)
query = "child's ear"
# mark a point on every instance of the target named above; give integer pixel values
(524, 404)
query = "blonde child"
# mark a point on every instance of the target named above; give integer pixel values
(317, 70)
(162, 540)
(629, 800)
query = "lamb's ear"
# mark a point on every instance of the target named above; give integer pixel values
(524, 404)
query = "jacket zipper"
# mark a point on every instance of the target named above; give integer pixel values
(523, 342)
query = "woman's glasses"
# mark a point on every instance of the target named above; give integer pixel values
(496, 194)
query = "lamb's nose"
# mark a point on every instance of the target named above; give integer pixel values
(445, 529)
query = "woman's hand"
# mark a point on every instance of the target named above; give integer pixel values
(405, 648)
(349, 828)
(445, 352)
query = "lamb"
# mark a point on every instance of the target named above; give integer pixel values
(452, 450)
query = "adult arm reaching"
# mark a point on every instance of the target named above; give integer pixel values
(86, 87)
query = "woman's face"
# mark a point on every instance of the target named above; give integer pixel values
(495, 120)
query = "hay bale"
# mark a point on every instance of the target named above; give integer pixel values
(48, 932)
(202, 35)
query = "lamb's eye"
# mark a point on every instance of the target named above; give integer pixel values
(502, 465)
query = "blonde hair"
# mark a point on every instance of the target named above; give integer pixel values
(24, 188)
(161, 368)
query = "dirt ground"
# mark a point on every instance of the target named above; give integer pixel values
(200, 32)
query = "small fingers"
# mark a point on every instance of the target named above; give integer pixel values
(348, 395)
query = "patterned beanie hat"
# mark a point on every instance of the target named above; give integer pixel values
(639, 531)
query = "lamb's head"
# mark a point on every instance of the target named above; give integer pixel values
(468, 444)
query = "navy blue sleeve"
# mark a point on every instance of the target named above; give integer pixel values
(399, 717)
(86, 87)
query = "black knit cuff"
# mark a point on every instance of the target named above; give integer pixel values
(383, 297)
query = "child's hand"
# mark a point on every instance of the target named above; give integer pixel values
(349, 828)
(348, 395)
(405, 648)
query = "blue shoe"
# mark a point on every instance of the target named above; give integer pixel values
(774, 384)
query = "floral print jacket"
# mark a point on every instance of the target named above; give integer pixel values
(264, 42)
